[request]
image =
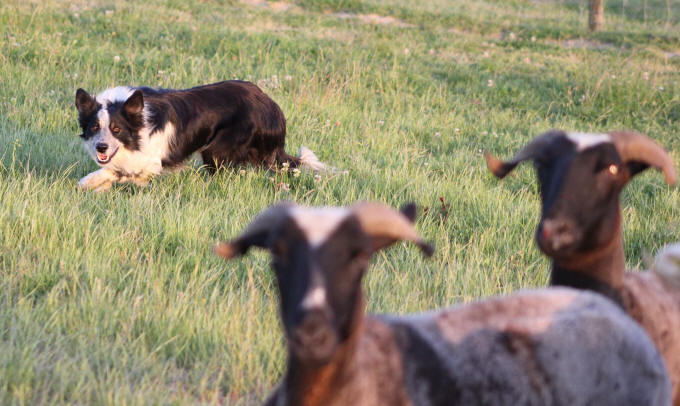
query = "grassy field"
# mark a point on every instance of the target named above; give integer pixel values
(116, 298)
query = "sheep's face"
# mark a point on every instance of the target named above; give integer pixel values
(580, 178)
(319, 281)
(319, 257)
(580, 190)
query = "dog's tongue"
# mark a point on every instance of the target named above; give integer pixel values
(102, 157)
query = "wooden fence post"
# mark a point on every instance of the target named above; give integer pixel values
(596, 16)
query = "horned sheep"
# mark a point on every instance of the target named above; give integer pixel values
(580, 178)
(545, 347)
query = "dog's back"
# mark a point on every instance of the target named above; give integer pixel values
(230, 123)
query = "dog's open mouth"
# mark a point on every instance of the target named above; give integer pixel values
(104, 158)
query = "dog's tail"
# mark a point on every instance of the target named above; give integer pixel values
(667, 264)
(308, 159)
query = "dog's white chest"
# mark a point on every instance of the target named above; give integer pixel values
(147, 161)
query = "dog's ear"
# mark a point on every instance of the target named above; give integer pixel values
(85, 103)
(134, 104)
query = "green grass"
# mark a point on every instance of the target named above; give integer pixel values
(116, 298)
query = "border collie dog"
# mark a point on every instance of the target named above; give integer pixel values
(135, 133)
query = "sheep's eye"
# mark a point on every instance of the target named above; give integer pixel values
(609, 169)
(115, 130)
(95, 127)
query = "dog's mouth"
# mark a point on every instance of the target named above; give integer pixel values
(103, 159)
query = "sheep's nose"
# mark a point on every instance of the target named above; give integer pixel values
(314, 336)
(101, 147)
(311, 324)
(556, 234)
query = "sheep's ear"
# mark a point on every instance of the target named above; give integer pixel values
(635, 167)
(240, 246)
(134, 104)
(409, 211)
(499, 168)
(256, 234)
(85, 103)
(530, 151)
(385, 226)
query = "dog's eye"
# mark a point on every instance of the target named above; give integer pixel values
(115, 130)
(95, 127)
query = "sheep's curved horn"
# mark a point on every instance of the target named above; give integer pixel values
(255, 234)
(387, 226)
(501, 169)
(634, 146)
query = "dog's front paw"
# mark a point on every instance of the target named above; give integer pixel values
(143, 182)
(98, 181)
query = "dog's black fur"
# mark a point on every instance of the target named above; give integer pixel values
(228, 123)
(234, 120)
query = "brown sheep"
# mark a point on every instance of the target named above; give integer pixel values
(546, 347)
(581, 177)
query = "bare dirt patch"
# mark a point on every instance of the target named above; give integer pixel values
(373, 19)
(267, 26)
(280, 6)
(581, 43)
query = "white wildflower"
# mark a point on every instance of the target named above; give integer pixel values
(116, 58)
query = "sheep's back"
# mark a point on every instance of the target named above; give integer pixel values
(655, 304)
(554, 346)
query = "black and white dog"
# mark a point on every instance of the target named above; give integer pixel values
(135, 133)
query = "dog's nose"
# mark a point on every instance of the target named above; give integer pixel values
(101, 147)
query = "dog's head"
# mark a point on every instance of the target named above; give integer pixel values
(110, 121)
